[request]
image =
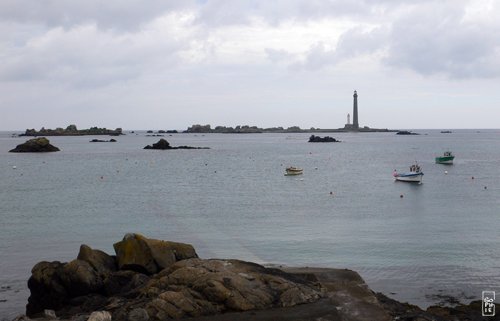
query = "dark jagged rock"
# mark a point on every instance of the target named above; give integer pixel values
(471, 311)
(46, 286)
(35, 145)
(198, 287)
(100, 261)
(162, 144)
(406, 132)
(409, 312)
(138, 253)
(80, 278)
(124, 283)
(326, 139)
(103, 141)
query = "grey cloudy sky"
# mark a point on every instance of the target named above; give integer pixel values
(170, 64)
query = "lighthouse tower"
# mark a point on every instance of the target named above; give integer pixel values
(355, 124)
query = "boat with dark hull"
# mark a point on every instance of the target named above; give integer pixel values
(291, 171)
(447, 158)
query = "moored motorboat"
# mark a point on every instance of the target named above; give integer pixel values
(291, 170)
(447, 158)
(415, 175)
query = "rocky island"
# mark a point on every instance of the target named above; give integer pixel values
(224, 130)
(406, 132)
(245, 129)
(35, 145)
(326, 139)
(95, 140)
(163, 144)
(151, 279)
(71, 130)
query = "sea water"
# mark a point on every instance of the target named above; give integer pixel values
(415, 243)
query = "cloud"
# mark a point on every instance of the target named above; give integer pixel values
(86, 56)
(109, 14)
(279, 55)
(81, 43)
(362, 41)
(218, 13)
(354, 43)
(438, 39)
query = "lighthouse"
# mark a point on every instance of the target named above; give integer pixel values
(355, 124)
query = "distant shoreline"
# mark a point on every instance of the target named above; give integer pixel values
(205, 129)
(72, 130)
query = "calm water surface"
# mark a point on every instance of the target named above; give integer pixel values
(233, 201)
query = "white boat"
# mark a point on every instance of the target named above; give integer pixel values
(289, 171)
(415, 175)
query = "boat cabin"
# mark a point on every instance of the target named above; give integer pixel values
(415, 168)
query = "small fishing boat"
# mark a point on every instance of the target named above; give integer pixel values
(415, 175)
(447, 158)
(289, 171)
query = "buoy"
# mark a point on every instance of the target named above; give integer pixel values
(485, 187)
(315, 168)
(401, 196)
(331, 193)
(472, 177)
(102, 177)
(446, 172)
(14, 167)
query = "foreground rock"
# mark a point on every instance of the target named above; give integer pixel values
(162, 144)
(138, 253)
(158, 280)
(326, 139)
(35, 145)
